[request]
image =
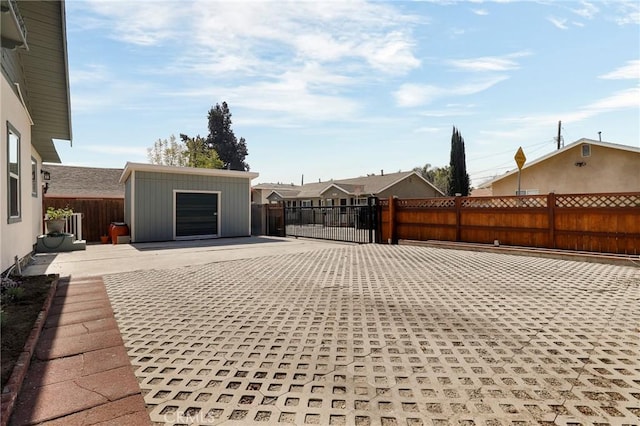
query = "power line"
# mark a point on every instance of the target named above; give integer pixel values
(510, 150)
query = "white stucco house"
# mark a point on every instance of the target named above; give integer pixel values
(34, 110)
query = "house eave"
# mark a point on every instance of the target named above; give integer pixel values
(46, 72)
(13, 29)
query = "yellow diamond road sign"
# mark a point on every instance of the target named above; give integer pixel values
(520, 158)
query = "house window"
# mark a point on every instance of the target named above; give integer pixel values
(13, 173)
(586, 150)
(328, 202)
(361, 201)
(306, 203)
(34, 177)
(343, 203)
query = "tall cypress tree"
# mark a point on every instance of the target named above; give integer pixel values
(231, 151)
(458, 178)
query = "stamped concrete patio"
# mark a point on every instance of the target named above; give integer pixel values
(381, 335)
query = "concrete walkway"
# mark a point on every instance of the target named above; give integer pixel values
(81, 374)
(103, 259)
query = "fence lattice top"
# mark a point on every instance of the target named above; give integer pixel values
(434, 203)
(531, 201)
(598, 200)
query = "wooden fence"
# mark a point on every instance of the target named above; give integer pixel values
(98, 213)
(606, 223)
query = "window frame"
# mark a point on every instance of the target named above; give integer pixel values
(11, 217)
(585, 150)
(34, 177)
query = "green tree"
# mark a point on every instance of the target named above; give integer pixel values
(232, 151)
(438, 176)
(199, 154)
(167, 152)
(458, 178)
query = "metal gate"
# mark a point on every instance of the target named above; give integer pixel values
(355, 223)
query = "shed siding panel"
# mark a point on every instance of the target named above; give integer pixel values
(127, 201)
(154, 207)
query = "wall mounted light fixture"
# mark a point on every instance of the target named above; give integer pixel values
(45, 175)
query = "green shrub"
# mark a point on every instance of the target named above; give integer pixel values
(61, 213)
(15, 293)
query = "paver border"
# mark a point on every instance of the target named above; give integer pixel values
(578, 256)
(21, 367)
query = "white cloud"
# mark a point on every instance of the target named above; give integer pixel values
(489, 63)
(558, 22)
(93, 73)
(428, 130)
(411, 95)
(621, 100)
(629, 98)
(309, 92)
(283, 57)
(480, 12)
(629, 12)
(114, 149)
(141, 23)
(587, 11)
(629, 71)
(251, 36)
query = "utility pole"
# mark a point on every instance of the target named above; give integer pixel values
(559, 132)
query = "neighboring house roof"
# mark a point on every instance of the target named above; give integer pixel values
(284, 193)
(83, 182)
(46, 73)
(559, 151)
(360, 186)
(274, 186)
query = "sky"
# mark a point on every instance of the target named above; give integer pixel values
(340, 89)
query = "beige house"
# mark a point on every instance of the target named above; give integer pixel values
(34, 109)
(584, 166)
(355, 191)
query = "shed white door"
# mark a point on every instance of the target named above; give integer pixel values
(196, 215)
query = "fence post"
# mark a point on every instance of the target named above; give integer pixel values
(371, 216)
(284, 219)
(458, 221)
(392, 220)
(551, 209)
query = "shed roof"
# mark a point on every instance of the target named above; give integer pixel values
(145, 167)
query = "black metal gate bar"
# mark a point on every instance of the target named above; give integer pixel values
(354, 223)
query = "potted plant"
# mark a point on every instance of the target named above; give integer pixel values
(56, 218)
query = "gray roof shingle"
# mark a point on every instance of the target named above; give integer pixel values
(83, 182)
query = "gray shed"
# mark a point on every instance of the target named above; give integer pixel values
(164, 203)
